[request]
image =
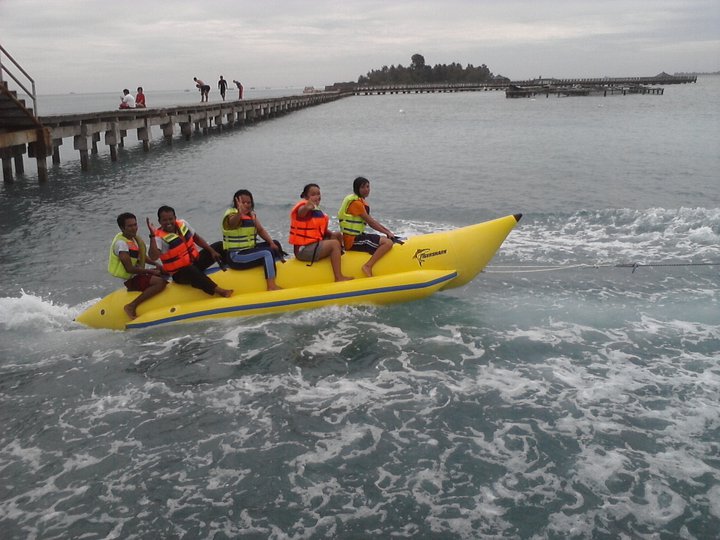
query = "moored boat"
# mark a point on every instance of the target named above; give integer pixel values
(421, 266)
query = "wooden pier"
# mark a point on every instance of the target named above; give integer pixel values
(568, 91)
(22, 131)
(604, 82)
(43, 138)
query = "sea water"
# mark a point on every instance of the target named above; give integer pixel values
(555, 396)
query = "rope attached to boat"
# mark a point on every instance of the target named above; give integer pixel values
(540, 268)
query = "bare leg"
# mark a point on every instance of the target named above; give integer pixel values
(333, 248)
(226, 293)
(157, 284)
(272, 286)
(385, 246)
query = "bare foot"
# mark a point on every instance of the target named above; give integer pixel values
(130, 311)
(225, 293)
(343, 278)
(274, 288)
(367, 270)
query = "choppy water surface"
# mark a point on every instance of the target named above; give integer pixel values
(554, 396)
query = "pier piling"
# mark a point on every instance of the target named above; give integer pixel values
(111, 127)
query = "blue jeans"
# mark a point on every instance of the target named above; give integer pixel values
(261, 254)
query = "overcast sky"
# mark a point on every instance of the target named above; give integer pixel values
(105, 45)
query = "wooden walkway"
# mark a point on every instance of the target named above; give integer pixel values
(21, 132)
(567, 91)
(604, 82)
(111, 127)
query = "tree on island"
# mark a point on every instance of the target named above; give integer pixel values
(418, 72)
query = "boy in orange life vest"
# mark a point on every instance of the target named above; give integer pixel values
(353, 215)
(174, 244)
(309, 232)
(127, 261)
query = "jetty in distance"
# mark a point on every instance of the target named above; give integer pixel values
(530, 87)
(41, 137)
(22, 131)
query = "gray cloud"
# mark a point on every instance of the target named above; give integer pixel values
(95, 45)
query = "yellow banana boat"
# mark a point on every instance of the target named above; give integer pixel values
(421, 266)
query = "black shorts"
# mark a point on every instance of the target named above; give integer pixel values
(367, 243)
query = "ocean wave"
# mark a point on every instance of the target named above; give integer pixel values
(32, 312)
(617, 235)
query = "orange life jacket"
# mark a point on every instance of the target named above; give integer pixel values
(307, 230)
(181, 248)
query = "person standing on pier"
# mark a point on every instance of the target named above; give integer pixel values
(240, 89)
(222, 86)
(140, 98)
(204, 89)
(353, 215)
(127, 262)
(174, 244)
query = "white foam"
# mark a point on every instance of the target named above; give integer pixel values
(35, 313)
(713, 498)
(617, 236)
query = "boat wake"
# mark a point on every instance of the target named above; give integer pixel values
(32, 312)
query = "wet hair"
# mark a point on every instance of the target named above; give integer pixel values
(305, 190)
(358, 183)
(245, 192)
(122, 218)
(164, 209)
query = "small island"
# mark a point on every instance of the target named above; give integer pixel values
(420, 73)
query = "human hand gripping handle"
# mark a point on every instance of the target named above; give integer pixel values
(277, 250)
(216, 257)
(395, 239)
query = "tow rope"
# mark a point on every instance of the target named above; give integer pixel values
(539, 268)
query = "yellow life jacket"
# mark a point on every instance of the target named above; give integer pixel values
(136, 251)
(243, 236)
(350, 224)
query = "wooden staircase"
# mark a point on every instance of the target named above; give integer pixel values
(20, 128)
(15, 116)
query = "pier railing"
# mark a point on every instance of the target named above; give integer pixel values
(87, 129)
(419, 88)
(28, 79)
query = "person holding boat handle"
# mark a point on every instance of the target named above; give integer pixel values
(240, 227)
(354, 215)
(309, 232)
(127, 262)
(174, 243)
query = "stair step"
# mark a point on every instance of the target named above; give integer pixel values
(13, 113)
(16, 126)
(7, 104)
